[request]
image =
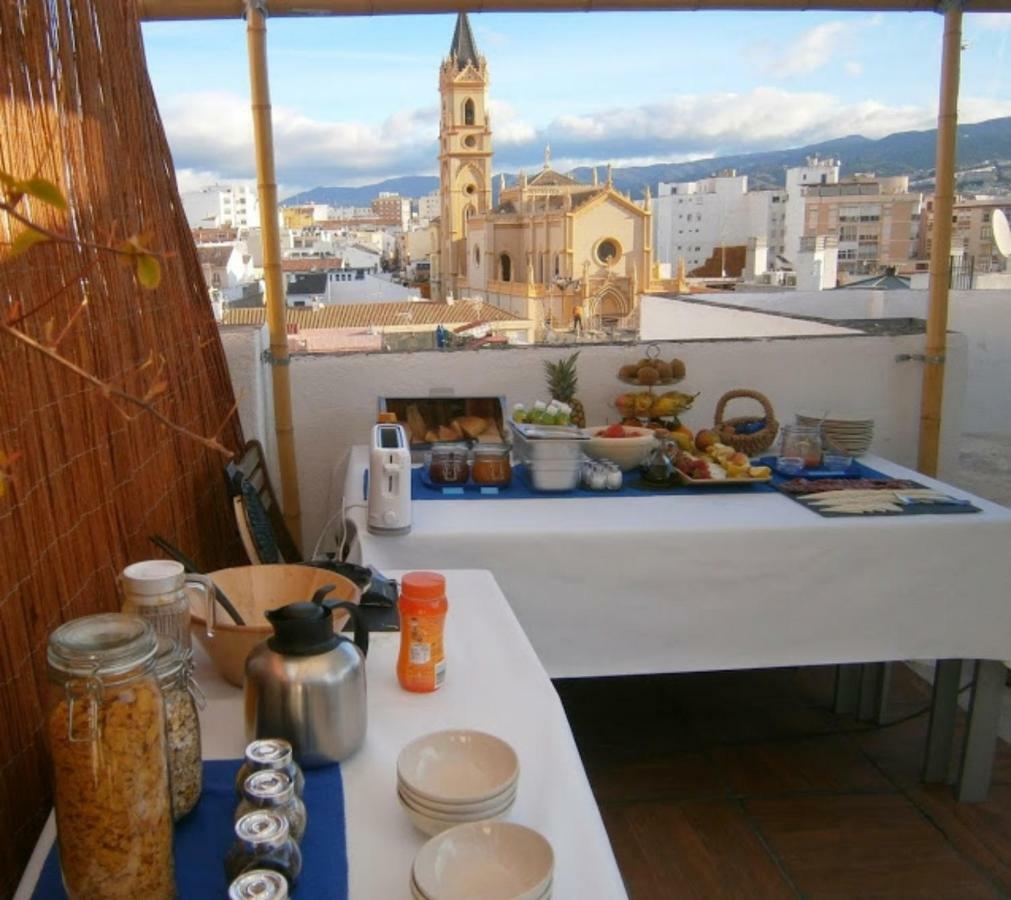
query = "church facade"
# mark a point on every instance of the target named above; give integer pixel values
(550, 245)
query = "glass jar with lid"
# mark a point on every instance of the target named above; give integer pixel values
(106, 730)
(448, 464)
(158, 590)
(491, 465)
(274, 790)
(263, 841)
(182, 697)
(259, 884)
(270, 753)
(802, 442)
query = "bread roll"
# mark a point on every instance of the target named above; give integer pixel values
(471, 426)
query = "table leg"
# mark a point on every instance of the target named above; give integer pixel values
(981, 731)
(875, 679)
(847, 689)
(941, 730)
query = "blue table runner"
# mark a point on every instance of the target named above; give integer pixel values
(202, 839)
(520, 489)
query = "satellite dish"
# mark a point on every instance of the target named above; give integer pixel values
(1001, 233)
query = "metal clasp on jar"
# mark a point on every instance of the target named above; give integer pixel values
(87, 689)
(193, 686)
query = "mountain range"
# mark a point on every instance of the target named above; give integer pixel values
(984, 163)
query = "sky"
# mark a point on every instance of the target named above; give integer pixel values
(355, 100)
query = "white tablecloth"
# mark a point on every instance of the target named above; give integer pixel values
(494, 682)
(723, 581)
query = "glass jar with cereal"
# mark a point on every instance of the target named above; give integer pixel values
(182, 696)
(106, 731)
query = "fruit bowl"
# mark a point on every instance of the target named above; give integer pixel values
(627, 452)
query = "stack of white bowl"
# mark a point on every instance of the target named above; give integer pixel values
(450, 778)
(841, 432)
(486, 860)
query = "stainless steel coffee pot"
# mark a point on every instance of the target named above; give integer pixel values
(306, 684)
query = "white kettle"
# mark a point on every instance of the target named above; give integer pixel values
(389, 500)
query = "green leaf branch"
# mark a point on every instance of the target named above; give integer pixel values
(146, 264)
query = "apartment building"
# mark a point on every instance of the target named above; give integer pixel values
(428, 208)
(219, 205)
(875, 220)
(971, 231)
(816, 171)
(392, 209)
(693, 219)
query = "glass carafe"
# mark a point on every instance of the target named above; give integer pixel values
(158, 590)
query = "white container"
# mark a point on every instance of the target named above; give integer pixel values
(551, 453)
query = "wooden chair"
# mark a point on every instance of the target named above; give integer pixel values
(261, 525)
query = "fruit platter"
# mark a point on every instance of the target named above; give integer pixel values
(709, 462)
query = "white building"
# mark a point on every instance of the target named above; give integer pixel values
(236, 205)
(817, 172)
(428, 208)
(693, 219)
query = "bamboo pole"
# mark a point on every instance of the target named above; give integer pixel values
(231, 9)
(932, 395)
(266, 183)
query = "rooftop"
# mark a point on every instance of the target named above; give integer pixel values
(379, 315)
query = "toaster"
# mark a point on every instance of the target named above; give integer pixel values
(389, 498)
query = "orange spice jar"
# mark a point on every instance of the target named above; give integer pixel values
(421, 666)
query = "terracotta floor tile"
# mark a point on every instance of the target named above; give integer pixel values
(819, 764)
(676, 776)
(865, 846)
(979, 831)
(703, 850)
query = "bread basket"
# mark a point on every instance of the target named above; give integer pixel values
(756, 442)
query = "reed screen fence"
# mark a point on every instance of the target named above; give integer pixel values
(77, 107)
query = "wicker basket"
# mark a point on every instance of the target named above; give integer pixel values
(752, 444)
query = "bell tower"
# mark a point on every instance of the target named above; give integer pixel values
(464, 155)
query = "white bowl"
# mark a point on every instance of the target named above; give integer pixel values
(466, 810)
(417, 895)
(431, 824)
(627, 452)
(490, 860)
(468, 813)
(457, 766)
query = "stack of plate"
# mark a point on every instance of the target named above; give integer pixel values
(489, 860)
(449, 778)
(840, 432)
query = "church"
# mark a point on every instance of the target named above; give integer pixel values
(550, 246)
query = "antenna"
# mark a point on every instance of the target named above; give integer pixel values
(1001, 233)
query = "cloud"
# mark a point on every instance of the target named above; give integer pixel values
(853, 68)
(992, 21)
(211, 134)
(813, 49)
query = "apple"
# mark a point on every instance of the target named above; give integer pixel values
(739, 459)
(706, 438)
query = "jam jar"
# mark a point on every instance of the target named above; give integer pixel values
(491, 465)
(273, 790)
(259, 884)
(106, 730)
(182, 696)
(449, 464)
(263, 841)
(270, 753)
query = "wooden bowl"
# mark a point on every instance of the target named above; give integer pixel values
(253, 591)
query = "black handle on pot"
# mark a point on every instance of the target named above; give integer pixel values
(361, 632)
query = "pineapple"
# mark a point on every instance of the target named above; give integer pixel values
(562, 381)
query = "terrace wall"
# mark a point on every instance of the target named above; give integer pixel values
(984, 317)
